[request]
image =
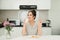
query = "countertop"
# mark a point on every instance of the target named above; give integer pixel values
(35, 37)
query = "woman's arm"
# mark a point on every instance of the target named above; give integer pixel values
(24, 29)
(40, 27)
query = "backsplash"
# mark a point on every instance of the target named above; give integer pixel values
(15, 14)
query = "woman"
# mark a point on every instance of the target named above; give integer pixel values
(31, 27)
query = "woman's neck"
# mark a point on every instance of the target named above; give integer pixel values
(32, 21)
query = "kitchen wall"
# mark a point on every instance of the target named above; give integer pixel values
(54, 16)
(43, 15)
(0, 17)
(15, 14)
(9, 14)
(0, 13)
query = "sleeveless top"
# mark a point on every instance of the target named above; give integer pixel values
(31, 30)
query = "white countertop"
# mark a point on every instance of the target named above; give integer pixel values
(44, 37)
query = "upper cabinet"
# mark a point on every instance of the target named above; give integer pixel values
(41, 4)
(9, 4)
(14, 4)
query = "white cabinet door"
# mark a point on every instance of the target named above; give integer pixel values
(14, 4)
(46, 31)
(27, 2)
(1, 31)
(9, 4)
(41, 4)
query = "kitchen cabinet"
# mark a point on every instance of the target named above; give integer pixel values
(2, 31)
(41, 4)
(9, 4)
(14, 4)
(46, 30)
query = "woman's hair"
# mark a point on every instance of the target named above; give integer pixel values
(33, 13)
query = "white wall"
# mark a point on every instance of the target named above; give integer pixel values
(0, 17)
(9, 14)
(54, 16)
(0, 13)
(43, 15)
(15, 14)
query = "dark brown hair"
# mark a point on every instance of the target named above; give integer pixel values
(33, 13)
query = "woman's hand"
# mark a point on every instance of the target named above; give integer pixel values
(26, 20)
(40, 22)
(40, 27)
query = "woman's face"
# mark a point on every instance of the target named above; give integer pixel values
(30, 16)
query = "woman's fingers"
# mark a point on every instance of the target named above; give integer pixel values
(40, 21)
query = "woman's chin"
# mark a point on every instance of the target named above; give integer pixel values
(30, 20)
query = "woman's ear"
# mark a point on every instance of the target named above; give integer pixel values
(34, 17)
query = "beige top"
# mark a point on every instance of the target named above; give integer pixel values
(31, 30)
